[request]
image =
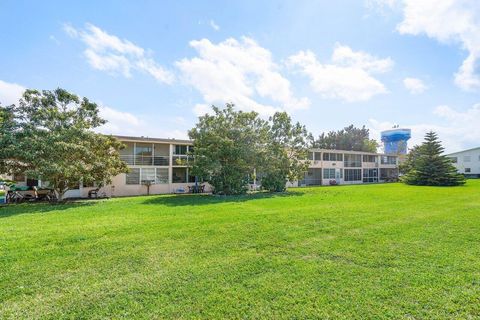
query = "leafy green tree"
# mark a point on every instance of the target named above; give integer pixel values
(286, 151)
(226, 146)
(7, 128)
(229, 146)
(427, 166)
(349, 138)
(53, 140)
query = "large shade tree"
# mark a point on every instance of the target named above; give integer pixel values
(348, 138)
(49, 136)
(230, 145)
(286, 151)
(426, 165)
(226, 144)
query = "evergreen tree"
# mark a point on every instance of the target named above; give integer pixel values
(429, 167)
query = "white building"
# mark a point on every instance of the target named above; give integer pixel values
(467, 162)
(349, 167)
(164, 164)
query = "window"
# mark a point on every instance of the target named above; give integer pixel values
(389, 160)
(318, 156)
(141, 175)
(352, 160)
(180, 149)
(468, 170)
(133, 177)
(179, 175)
(328, 173)
(161, 176)
(369, 158)
(332, 157)
(454, 159)
(143, 149)
(310, 156)
(353, 174)
(147, 174)
(370, 175)
(467, 159)
(332, 173)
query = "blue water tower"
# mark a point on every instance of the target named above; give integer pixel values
(395, 140)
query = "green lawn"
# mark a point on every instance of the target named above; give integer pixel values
(374, 251)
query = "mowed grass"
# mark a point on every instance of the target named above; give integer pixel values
(353, 252)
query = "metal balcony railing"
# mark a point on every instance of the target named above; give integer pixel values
(145, 160)
(182, 160)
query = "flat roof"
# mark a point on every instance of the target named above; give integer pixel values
(181, 141)
(148, 139)
(351, 152)
(462, 151)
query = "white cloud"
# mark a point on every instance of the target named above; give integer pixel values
(447, 21)
(109, 53)
(348, 77)
(241, 72)
(461, 132)
(414, 85)
(215, 26)
(128, 124)
(10, 93)
(119, 122)
(54, 39)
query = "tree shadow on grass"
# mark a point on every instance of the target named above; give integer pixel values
(34, 208)
(208, 199)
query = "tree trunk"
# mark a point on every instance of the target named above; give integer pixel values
(59, 193)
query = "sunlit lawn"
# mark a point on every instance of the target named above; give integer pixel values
(369, 251)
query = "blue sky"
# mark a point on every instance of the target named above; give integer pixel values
(154, 66)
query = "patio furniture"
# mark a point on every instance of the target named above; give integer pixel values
(196, 189)
(45, 195)
(93, 192)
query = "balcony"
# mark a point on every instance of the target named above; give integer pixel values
(145, 160)
(181, 160)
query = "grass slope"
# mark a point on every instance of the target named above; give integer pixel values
(371, 251)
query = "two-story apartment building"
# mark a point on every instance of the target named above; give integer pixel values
(160, 163)
(349, 167)
(161, 166)
(467, 162)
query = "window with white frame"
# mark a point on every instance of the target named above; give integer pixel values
(369, 158)
(353, 174)
(162, 176)
(328, 173)
(454, 159)
(133, 177)
(332, 156)
(180, 149)
(389, 160)
(141, 175)
(147, 174)
(352, 160)
(468, 170)
(370, 175)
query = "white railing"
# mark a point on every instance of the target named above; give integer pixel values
(139, 160)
